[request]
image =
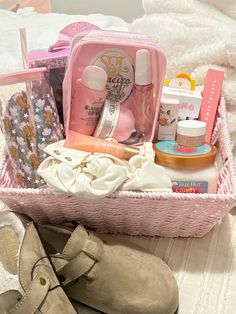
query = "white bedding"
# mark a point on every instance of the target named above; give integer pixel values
(205, 268)
(195, 36)
(42, 31)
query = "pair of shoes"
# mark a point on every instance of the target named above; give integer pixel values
(95, 272)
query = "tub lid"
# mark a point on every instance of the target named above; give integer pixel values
(170, 154)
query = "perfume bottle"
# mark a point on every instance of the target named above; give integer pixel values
(143, 100)
(88, 100)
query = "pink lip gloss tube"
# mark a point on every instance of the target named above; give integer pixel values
(88, 100)
(92, 144)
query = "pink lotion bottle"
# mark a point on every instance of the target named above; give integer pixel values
(143, 105)
(88, 100)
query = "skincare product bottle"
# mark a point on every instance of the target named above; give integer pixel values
(143, 104)
(116, 121)
(91, 144)
(168, 118)
(88, 100)
(191, 133)
(192, 170)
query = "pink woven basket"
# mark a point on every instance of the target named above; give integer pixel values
(134, 213)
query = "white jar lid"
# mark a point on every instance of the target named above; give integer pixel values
(191, 128)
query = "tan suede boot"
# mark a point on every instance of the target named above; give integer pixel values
(29, 283)
(110, 275)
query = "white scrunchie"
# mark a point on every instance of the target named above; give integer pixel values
(98, 175)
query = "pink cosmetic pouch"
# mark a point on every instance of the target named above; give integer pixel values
(115, 52)
(55, 57)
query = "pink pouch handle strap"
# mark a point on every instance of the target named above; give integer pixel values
(67, 34)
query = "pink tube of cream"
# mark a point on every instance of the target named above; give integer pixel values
(91, 144)
(88, 100)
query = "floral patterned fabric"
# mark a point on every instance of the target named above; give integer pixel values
(30, 123)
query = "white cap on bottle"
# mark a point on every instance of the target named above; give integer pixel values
(143, 68)
(94, 77)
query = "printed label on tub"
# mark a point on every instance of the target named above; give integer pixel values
(197, 187)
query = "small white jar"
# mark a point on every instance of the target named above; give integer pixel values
(191, 133)
(191, 170)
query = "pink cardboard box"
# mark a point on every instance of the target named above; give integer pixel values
(55, 62)
(210, 101)
(55, 58)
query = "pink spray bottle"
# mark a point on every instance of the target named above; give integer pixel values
(88, 100)
(143, 102)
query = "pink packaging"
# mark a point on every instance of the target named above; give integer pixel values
(210, 100)
(114, 52)
(55, 57)
(85, 118)
(49, 59)
(55, 62)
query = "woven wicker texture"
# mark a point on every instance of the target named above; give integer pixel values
(134, 213)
